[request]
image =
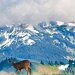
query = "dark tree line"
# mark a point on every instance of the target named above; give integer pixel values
(53, 63)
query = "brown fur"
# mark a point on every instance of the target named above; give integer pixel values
(25, 64)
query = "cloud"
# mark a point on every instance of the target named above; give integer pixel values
(34, 11)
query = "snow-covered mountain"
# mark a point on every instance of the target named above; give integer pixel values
(44, 41)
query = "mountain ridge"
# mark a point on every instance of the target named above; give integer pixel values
(44, 41)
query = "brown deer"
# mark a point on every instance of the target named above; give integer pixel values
(25, 64)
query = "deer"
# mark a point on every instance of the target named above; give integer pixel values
(25, 64)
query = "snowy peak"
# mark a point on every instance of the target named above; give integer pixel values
(31, 28)
(59, 23)
(49, 41)
(71, 24)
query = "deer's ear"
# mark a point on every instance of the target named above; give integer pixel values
(9, 60)
(14, 59)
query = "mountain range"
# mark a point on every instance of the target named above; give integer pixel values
(45, 41)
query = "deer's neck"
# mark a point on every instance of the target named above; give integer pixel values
(12, 63)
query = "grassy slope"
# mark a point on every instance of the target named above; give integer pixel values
(46, 70)
(39, 70)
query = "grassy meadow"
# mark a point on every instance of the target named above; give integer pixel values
(38, 69)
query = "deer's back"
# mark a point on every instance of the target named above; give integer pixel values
(22, 64)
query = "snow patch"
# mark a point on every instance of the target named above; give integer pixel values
(48, 31)
(71, 24)
(27, 35)
(51, 36)
(7, 42)
(63, 67)
(71, 39)
(25, 38)
(31, 28)
(6, 35)
(30, 42)
(69, 58)
(52, 31)
(59, 23)
(56, 41)
(63, 36)
(74, 30)
(22, 34)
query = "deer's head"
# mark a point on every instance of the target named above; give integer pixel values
(12, 60)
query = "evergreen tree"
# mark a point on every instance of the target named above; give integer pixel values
(56, 63)
(42, 62)
(49, 63)
(61, 63)
(70, 62)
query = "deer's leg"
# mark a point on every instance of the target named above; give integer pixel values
(20, 70)
(16, 72)
(30, 70)
(27, 72)
(26, 69)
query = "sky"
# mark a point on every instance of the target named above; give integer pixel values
(35, 11)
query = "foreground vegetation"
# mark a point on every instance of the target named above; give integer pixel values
(42, 69)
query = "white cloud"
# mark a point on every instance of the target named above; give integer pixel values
(33, 11)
